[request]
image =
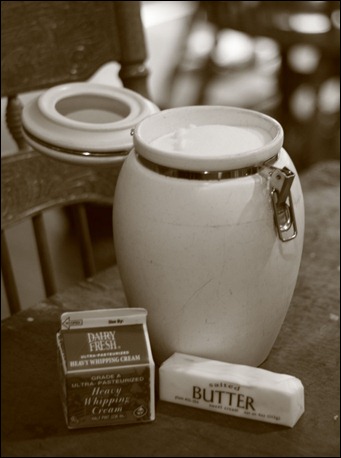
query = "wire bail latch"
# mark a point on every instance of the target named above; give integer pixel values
(280, 184)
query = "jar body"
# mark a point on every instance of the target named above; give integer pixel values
(205, 260)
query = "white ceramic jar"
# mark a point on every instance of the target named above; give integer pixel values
(210, 244)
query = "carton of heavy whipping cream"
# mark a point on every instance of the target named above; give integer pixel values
(106, 367)
(232, 389)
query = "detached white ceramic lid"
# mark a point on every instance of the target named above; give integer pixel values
(85, 122)
(208, 138)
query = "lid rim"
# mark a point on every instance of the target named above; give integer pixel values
(96, 138)
(47, 102)
(240, 117)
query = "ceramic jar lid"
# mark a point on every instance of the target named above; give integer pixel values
(85, 123)
(240, 152)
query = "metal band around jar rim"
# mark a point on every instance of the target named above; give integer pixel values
(205, 175)
(73, 151)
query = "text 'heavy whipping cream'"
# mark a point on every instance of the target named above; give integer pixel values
(106, 367)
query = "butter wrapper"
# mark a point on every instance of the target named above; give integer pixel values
(106, 368)
(232, 389)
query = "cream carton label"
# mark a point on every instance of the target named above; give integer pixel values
(106, 367)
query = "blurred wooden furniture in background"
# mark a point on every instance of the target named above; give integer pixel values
(306, 101)
(45, 44)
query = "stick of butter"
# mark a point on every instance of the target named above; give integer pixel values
(232, 389)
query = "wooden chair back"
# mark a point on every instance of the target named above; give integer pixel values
(45, 44)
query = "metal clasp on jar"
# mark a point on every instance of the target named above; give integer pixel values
(280, 184)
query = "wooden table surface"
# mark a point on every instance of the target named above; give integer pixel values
(307, 347)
